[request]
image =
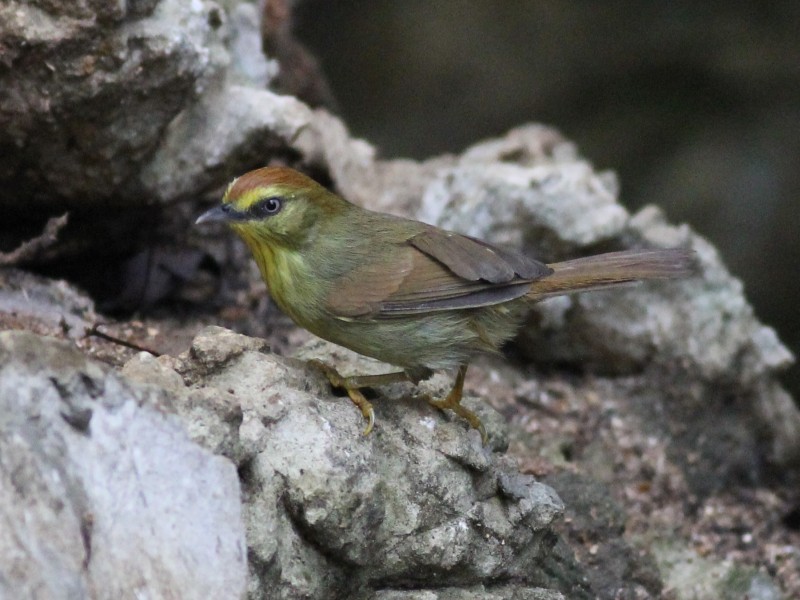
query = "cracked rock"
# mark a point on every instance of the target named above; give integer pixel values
(333, 513)
(102, 493)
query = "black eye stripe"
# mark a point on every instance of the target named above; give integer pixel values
(266, 207)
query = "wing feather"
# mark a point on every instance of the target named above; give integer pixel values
(351, 298)
(433, 271)
(474, 259)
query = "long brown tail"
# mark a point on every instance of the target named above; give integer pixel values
(612, 269)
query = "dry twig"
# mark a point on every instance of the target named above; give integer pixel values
(30, 250)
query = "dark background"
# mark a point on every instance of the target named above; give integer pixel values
(695, 105)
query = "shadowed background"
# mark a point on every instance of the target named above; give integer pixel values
(695, 105)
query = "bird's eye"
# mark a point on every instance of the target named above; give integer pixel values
(266, 207)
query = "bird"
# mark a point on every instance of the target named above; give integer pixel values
(406, 293)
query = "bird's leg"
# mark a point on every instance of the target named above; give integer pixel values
(352, 385)
(453, 402)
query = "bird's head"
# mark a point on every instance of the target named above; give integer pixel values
(276, 206)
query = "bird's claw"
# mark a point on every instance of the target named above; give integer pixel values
(449, 404)
(453, 402)
(337, 380)
(353, 385)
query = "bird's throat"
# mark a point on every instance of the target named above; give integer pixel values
(287, 278)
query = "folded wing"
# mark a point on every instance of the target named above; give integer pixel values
(432, 271)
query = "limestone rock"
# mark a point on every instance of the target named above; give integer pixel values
(102, 494)
(89, 87)
(333, 513)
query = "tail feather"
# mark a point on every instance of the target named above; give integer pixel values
(613, 269)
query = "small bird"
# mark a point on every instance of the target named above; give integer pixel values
(401, 291)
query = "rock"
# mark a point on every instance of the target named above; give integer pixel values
(500, 592)
(88, 91)
(332, 513)
(614, 567)
(689, 575)
(101, 492)
(212, 141)
(36, 302)
(524, 203)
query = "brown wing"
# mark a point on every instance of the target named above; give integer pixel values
(432, 271)
(474, 259)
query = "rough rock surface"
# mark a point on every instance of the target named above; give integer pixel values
(35, 301)
(112, 107)
(89, 88)
(331, 513)
(102, 494)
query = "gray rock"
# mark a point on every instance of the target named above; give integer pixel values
(501, 592)
(213, 140)
(332, 513)
(36, 301)
(89, 87)
(615, 568)
(524, 205)
(249, 66)
(689, 575)
(102, 494)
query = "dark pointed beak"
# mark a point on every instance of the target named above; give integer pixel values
(218, 213)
